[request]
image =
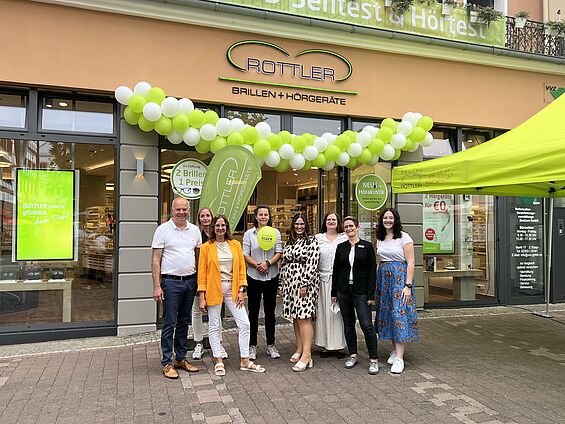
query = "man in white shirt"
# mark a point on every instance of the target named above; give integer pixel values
(173, 267)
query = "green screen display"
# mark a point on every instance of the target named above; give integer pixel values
(45, 215)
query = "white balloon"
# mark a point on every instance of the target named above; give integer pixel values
(191, 136)
(363, 138)
(354, 150)
(152, 111)
(343, 159)
(428, 140)
(387, 153)
(264, 130)
(311, 152)
(398, 141)
(272, 159)
(329, 165)
(329, 136)
(410, 117)
(123, 94)
(237, 124)
(208, 132)
(248, 147)
(297, 161)
(286, 151)
(223, 127)
(142, 88)
(404, 128)
(371, 130)
(417, 116)
(185, 105)
(170, 106)
(414, 147)
(321, 144)
(175, 137)
(373, 160)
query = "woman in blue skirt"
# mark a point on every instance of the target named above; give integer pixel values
(396, 318)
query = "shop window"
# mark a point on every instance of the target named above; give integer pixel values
(318, 126)
(254, 117)
(79, 288)
(61, 114)
(12, 110)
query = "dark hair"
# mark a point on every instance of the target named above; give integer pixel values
(396, 228)
(292, 236)
(228, 235)
(352, 218)
(255, 222)
(200, 211)
(339, 223)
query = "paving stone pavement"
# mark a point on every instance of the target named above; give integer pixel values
(485, 365)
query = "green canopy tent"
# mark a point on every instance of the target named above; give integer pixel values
(528, 160)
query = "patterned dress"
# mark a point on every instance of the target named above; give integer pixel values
(300, 269)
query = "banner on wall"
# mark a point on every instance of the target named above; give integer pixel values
(371, 192)
(45, 215)
(232, 176)
(438, 223)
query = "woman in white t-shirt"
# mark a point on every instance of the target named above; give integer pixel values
(396, 319)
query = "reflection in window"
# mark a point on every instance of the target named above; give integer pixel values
(440, 147)
(12, 110)
(317, 126)
(77, 116)
(253, 118)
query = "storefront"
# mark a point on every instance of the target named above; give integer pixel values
(57, 112)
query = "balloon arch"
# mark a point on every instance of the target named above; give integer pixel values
(149, 108)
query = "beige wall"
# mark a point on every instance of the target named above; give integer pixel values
(534, 7)
(56, 46)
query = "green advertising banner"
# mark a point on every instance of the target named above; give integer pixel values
(438, 224)
(44, 215)
(420, 18)
(371, 192)
(232, 176)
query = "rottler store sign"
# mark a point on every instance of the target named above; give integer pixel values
(268, 70)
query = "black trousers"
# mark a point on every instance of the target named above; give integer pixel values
(268, 290)
(351, 304)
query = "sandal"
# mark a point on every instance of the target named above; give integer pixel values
(295, 357)
(219, 369)
(252, 367)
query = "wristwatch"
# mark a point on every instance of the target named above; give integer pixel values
(242, 290)
(268, 263)
(409, 285)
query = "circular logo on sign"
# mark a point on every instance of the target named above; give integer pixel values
(187, 178)
(430, 234)
(371, 192)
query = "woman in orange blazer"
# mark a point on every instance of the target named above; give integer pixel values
(222, 279)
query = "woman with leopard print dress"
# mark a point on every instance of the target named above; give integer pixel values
(300, 284)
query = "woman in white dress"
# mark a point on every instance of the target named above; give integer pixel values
(329, 325)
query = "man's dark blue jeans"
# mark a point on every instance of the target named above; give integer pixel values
(177, 307)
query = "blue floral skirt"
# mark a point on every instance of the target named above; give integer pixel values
(395, 320)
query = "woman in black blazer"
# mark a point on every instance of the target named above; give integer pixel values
(353, 286)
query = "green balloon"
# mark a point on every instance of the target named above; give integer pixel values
(164, 125)
(181, 123)
(203, 146)
(250, 135)
(376, 146)
(365, 156)
(218, 144)
(235, 139)
(389, 123)
(286, 137)
(299, 143)
(321, 160)
(307, 165)
(396, 155)
(342, 142)
(418, 134)
(352, 136)
(211, 117)
(333, 152)
(196, 118)
(130, 116)
(306, 135)
(409, 144)
(385, 134)
(275, 141)
(425, 122)
(145, 125)
(155, 94)
(261, 148)
(352, 163)
(282, 166)
(136, 103)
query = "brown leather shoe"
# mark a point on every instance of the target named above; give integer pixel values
(170, 372)
(185, 365)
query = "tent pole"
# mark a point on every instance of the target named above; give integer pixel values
(549, 243)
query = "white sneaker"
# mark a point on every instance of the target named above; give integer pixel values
(273, 352)
(223, 352)
(198, 351)
(391, 358)
(252, 353)
(397, 367)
